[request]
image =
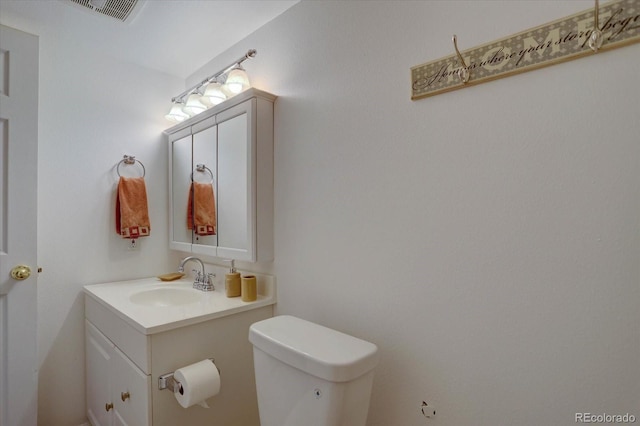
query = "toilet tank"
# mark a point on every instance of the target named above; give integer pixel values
(311, 375)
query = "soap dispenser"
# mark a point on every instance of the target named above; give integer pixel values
(232, 281)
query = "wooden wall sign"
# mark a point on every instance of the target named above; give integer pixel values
(548, 44)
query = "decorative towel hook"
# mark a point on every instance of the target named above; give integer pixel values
(463, 73)
(130, 160)
(596, 39)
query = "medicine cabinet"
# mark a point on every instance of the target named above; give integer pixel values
(231, 147)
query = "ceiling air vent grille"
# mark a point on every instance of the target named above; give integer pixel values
(122, 10)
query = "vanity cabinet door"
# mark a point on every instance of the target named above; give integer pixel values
(99, 352)
(131, 392)
(119, 421)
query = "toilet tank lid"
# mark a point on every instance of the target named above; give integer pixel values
(314, 349)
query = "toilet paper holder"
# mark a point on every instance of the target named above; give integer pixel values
(167, 381)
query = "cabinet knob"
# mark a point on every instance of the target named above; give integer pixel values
(108, 406)
(124, 396)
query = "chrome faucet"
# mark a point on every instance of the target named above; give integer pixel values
(203, 280)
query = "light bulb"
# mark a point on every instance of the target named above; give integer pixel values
(237, 80)
(194, 106)
(176, 114)
(213, 93)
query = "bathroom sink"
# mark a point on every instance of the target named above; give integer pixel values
(151, 306)
(160, 297)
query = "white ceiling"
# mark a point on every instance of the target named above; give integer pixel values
(173, 36)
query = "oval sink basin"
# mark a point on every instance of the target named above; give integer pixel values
(160, 297)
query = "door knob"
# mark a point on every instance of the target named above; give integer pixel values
(20, 272)
(108, 406)
(124, 396)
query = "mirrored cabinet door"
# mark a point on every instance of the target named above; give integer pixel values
(180, 158)
(235, 146)
(205, 163)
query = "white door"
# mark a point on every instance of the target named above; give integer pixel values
(18, 184)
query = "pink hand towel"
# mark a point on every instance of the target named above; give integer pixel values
(132, 215)
(201, 209)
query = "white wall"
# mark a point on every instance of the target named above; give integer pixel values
(486, 239)
(92, 111)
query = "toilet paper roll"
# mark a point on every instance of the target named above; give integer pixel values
(198, 382)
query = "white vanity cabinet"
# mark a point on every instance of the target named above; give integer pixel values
(233, 144)
(129, 345)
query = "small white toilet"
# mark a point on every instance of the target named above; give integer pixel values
(310, 375)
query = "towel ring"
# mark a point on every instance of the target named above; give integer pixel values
(130, 160)
(202, 168)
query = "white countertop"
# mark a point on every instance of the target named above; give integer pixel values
(116, 297)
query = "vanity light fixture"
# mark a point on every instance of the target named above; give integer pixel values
(237, 80)
(177, 114)
(193, 105)
(224, 84)
(213, 93)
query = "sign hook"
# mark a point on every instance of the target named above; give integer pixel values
(463, 72)
(596, 39)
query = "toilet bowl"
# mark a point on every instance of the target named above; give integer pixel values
(311, 375)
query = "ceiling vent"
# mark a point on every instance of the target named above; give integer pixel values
(122, 10)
